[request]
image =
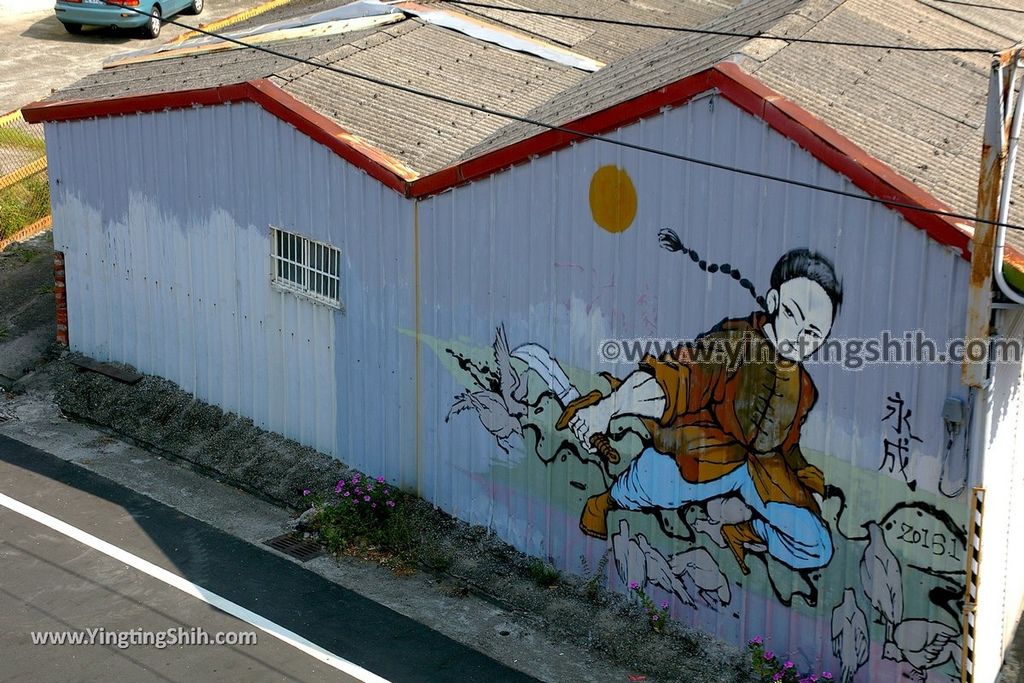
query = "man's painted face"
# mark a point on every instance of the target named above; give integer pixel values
(802, 317)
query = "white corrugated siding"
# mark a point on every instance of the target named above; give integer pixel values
(521, 249)
(373, 385)
(1000, 586)
(165, 220)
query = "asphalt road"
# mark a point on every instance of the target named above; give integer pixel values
(37, 55)
(49, 581)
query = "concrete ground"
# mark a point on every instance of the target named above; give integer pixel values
(56, 583)
(151, 493)
(27, 313)
(38, 56)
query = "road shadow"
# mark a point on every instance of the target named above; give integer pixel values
(334, 617)
(50, 29)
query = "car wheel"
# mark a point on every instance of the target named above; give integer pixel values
(152, 27)
(196, 7)
(72, 28)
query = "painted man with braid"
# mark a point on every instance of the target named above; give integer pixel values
(724, 414)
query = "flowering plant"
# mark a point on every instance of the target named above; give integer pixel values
(658, 616)
(769, 667)
(356, 511)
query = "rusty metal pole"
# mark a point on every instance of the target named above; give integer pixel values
(974, 373)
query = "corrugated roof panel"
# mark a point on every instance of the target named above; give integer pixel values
(423, 133)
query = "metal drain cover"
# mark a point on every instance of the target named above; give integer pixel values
(293, 544)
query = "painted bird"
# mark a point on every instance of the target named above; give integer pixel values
(924, 645)
(849, 636)
(882, 579)
(660, 573)
(698, 570)
(630, 561)
(721, 511)
(499, 413)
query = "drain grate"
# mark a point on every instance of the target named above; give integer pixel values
(302, 549)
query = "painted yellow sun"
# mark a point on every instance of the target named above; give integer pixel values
(612, 199)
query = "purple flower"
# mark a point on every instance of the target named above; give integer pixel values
(654, 617)
(777, 677)
(355, 479)
(787, 665)
(756, 640)
(633, 585)
(380, 480)
(769, 655)
(366, 498)
(391, 503)
(347, 494)
(664, 605)
(306, 492)
(826, 675)
(355, 501)
(373, 505)
(339, 486)
(358, 490)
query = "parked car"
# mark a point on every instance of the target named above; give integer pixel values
(77, 13)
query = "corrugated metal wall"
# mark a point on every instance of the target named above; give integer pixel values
(165, 221)
(523, 250)
(168, 269)
(1000, 588)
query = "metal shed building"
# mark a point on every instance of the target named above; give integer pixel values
(418, 288)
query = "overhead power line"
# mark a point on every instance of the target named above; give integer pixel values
(588, 136)
(728, 34)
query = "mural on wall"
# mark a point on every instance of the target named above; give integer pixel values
(702, 449)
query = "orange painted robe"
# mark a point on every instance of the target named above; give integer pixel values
(721, 414)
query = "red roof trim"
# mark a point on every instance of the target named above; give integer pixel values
(737, 86)
(838, 153)
(616, 116)
(262, 92)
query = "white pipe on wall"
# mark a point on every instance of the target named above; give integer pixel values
(1004, 203)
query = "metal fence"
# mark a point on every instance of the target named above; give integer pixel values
(24, 186)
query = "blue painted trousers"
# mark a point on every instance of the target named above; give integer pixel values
(795, 536)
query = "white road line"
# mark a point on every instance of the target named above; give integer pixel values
(196, 591)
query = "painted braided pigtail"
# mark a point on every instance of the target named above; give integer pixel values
(669, 240)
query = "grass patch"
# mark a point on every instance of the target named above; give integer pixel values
(23, 203)
(11, 137)
(595, 578)
(543, 574)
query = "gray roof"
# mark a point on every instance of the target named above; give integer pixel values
(423, 134)
(920, 113)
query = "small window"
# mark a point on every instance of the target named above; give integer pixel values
(307, 267)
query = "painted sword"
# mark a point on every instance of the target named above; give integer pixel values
(539, 359)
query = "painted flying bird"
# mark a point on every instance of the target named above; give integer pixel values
(721, 511)
(882, 579)
(660, 573)
(924, 645)
(849, 636)
(512, 390)
(630, 561)
(700, 574)
(499, 413)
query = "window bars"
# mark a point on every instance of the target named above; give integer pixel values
(306, 267)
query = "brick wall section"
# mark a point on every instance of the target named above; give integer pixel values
(60, 294)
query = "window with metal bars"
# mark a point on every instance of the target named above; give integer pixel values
(306, 267)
